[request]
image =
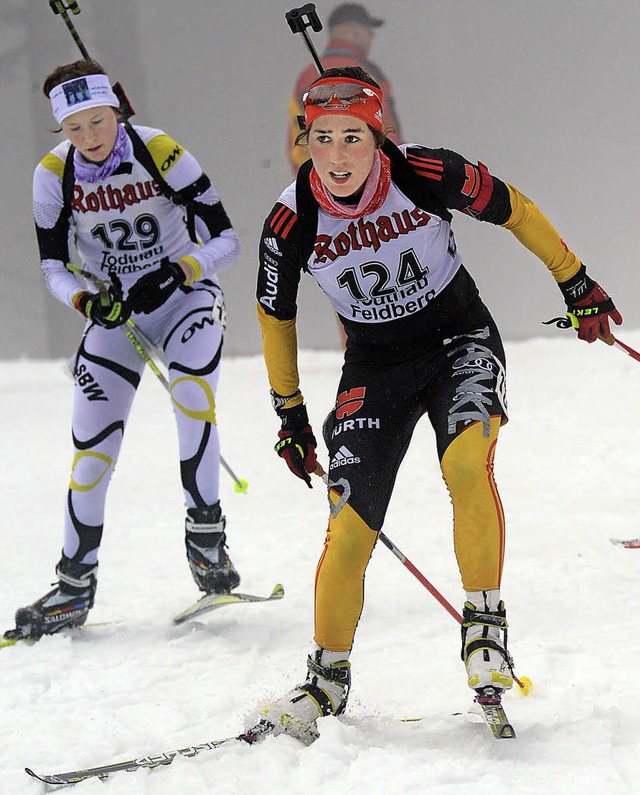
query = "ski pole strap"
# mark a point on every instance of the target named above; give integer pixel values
(578, 312)
(288, 443)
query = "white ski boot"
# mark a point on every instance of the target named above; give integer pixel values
(324, 692)
(484, 646)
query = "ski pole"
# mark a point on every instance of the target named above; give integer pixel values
(626, 349)
(565, 322)
(296, 21)
(406, 562)
(523, 683)
(149, 354)
(420, 577)
(59, 7)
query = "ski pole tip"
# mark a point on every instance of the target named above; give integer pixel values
(524, 685)
(241, 486)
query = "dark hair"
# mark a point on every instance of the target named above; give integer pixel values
(355, 73)
(69, 71)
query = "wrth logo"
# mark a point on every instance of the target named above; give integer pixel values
(343, 457)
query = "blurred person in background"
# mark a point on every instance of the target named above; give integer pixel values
(351, 30)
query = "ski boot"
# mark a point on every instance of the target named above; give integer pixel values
(484, 649)
(67, 605)
(205, 540)
(325, 692)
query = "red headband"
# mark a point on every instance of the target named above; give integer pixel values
(343, 95)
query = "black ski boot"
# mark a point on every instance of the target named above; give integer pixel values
(67, 605)
(205, 540)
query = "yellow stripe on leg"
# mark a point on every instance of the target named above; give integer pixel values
(478, 517)
(339, 592)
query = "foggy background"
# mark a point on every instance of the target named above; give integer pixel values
(543, 92)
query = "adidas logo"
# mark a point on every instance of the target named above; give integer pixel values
(272, 244)
(342, 457)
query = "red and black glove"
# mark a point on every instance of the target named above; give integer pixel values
(589, 308)
(154, 288)
(105, 308)
(297, 444)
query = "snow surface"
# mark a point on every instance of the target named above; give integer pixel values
(567, 467)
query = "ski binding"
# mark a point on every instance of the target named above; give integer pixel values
(489, 701)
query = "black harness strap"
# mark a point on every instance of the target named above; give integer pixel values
(184, 197)
(307, 211)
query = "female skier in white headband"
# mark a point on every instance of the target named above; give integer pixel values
(141, 257)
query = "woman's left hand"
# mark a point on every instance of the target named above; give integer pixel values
(153, 289)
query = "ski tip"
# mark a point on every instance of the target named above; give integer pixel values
(506, 732)
(278, 591)
(13, 636)
(212, 601)
(626, 543)
(52, 783)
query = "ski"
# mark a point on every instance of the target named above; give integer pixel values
(208, 602)
(489, 701)
(496, 720)
(9, 641)
(12, 636)
(627, 543)
(212, 601)
(55, 781)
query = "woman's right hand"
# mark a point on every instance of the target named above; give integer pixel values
(296, 443)
(105, 308)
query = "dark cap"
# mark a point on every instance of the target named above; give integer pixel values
(353, 12)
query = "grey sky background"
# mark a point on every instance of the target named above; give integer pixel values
(542, 91)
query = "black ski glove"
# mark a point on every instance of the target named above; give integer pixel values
(153, 289)
(106, 308)
(589, 308)
(297, 444)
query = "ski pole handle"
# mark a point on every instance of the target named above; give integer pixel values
(296, 18)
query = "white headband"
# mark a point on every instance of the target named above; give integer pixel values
(91, 91)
